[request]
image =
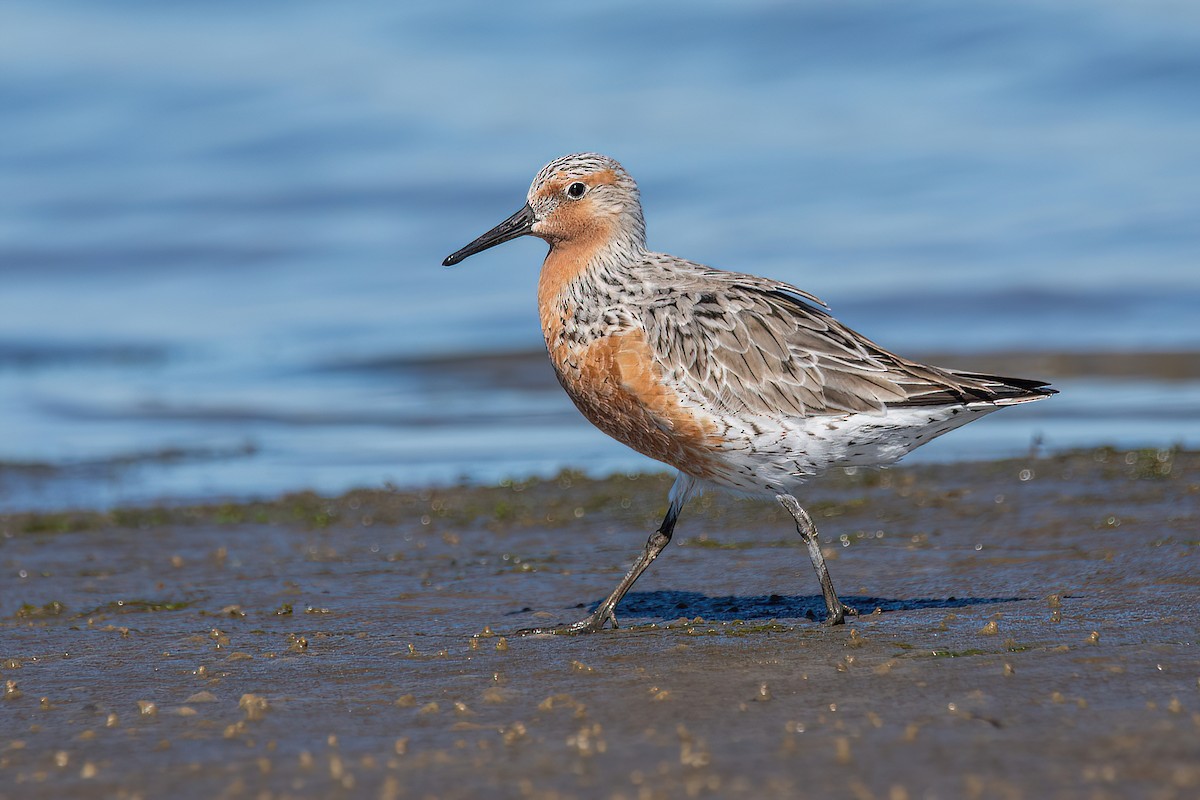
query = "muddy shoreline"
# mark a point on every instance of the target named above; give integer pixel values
(1029, 630)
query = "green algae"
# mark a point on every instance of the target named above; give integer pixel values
(33, 611)
(137, 607)
(633, 501)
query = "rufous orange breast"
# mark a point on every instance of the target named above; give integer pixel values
(614, 379)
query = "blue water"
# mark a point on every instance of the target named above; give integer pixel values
(214, 214)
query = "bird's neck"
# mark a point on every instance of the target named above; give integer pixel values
(569, 259)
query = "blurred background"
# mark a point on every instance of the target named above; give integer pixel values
(221, 224)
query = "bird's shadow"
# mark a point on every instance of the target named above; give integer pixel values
(666, 604)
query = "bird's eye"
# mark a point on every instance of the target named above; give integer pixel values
(576, 190)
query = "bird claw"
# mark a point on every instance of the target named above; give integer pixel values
(839, 617)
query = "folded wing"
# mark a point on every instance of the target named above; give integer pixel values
(738, 343)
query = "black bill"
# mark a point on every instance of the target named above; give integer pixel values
(516, 225)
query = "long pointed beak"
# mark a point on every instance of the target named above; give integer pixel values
(518, 224)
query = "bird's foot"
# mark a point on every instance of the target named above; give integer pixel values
(592, 623)
(838, 617)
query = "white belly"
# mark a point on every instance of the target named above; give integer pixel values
(769, 456)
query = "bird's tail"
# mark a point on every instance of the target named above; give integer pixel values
(1008, 391)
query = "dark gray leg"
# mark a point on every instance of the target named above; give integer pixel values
(682, 489)
(808, 532)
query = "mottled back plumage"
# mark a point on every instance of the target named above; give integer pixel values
(742, 343)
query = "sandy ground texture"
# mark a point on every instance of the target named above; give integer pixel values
(1029, 629)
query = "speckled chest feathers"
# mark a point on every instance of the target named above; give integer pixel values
(598, 345)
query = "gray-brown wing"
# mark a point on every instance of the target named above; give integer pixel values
(737, 342)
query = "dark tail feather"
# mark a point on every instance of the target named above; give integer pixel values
(974, 387)
(999, 388)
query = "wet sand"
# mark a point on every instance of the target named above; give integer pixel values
(1035, 637)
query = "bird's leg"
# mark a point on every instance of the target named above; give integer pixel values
(808, 532)
(682, 489)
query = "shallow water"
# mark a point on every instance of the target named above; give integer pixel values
(215, 218)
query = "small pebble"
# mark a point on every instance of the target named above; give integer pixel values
(203, 696)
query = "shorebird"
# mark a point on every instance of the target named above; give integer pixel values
(738, 382)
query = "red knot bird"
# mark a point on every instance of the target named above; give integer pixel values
(739, 382)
